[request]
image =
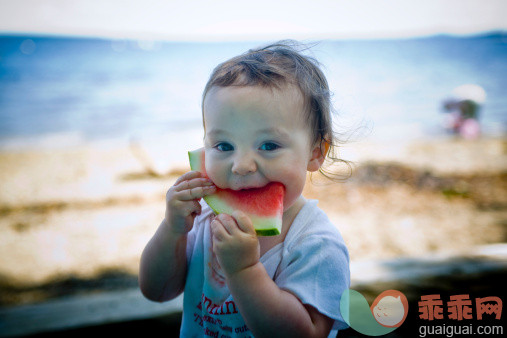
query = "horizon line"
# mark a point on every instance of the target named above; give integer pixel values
(249, 38)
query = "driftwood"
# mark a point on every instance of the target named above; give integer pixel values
(483, 270)
(410, 270)
(81, 311)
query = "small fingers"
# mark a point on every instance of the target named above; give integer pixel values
(187, 208)
(244, 222)
(218, 230)
(193, 183)
(228, 223)
(188, 176)
(194, 193)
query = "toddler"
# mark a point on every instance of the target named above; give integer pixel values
(266, 117)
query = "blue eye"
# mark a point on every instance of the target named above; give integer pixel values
(269, 146)
(224, 147)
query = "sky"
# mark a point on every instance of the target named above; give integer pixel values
(215, 20)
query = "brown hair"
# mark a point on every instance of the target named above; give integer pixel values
(277, 65)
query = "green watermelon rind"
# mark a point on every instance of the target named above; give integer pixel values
(264, 226)
(195, 159)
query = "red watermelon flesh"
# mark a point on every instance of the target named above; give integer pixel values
(263, 205)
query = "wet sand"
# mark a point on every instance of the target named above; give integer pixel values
(75, 219)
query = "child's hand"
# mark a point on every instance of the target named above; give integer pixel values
(235, 242)
(182, 200)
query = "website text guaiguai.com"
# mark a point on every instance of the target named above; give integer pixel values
(464, 315)
(452, 330)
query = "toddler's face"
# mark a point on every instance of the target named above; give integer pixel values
(256, 135)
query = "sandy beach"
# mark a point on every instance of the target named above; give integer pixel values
(74, 215)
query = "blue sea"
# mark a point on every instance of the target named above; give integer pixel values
(96, 89)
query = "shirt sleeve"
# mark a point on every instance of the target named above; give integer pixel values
(316, 270)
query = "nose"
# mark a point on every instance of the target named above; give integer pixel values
(243, 165)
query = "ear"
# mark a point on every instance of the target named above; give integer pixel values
(318, 156)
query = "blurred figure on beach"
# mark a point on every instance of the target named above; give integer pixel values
(463, 108)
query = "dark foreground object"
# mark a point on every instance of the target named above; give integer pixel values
(477, 276)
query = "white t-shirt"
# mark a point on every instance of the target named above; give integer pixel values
(312, 263)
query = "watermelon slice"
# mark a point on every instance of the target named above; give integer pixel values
(263, 205)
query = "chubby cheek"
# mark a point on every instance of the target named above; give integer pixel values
(292, 193)
(294, 182)
(216, 171)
